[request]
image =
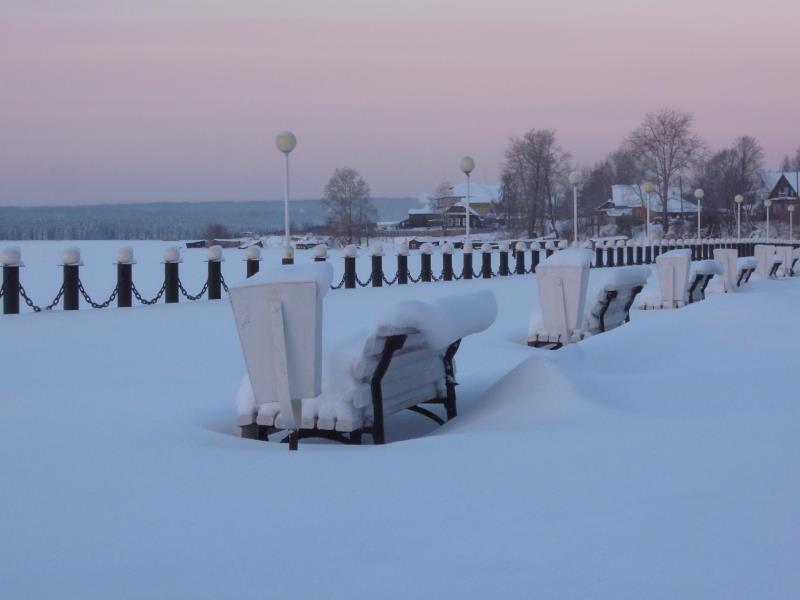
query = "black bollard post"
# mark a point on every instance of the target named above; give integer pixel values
(288, 256)
(519, 267)
(648, 253)
(350, 253)
(377, 266)
(214, 280)
(125, 277)
(534, 256)
(425, 259)
(548, 249)
(71, 259)
(447, 262)
(11, 258)
(503, 260)
(252, 259)
(402, 264)
(486, 261)
(629, 249)
(598, 255)
(610, 255)
(620, 254)
(466, 271)
(656, 251)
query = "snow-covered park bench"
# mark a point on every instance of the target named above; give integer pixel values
(701, 274)
(564, 287)
(745, 267)
(404, 361)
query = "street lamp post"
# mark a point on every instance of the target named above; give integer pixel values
(574, 180)
(286, 142)
(738, 199)
(467, 165)
(790, 208)
(648, 189)
(698, 194)
(767, 204)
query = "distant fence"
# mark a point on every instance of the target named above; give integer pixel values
(513, 261)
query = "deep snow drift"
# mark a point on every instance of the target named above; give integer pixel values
(659, 460)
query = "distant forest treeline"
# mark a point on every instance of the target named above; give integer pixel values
(171, 220)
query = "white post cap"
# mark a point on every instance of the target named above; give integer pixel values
(252, 253)
(520, 246)
(350, 251)
(447, 248)
(172, 254)
(549, 245)
(125, 256)
(467, 247)
(426, 248)
(629, 243)
(563, 244)
(288, 252)
(401, 248)
(486, 248)
(214, 254)
(504, 247)
(71, 256)
(376, 249)
(11, 257)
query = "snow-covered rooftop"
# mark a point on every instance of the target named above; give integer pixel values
(478, 192)
(631, 196)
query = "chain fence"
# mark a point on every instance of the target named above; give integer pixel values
(196, 296)
(153, 300)
(93, 304)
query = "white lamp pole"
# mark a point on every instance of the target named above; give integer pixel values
(790, 208)
(648, 189)
(767, 204)
(698, 194)
(467, 166)
(286, 142)
(738, 198)
(575, 179)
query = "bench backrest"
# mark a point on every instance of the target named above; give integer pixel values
(763, 254)
(280, 330)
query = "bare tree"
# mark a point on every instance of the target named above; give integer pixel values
(532, 174)
(665, 146)
(730, 171)
(351, 214)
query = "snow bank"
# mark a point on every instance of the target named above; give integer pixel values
(444, 320)
(320, 273)
(746, 262)
(677, 253)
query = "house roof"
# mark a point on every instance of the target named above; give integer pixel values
(772, 178)
(632, 196)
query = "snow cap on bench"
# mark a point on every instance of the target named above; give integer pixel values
(444, 320)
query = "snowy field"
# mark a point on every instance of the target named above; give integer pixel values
(659, 460)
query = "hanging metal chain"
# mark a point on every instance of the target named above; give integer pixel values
(339, 285)
(224, 285)
(154, 299)
(457, 277)
(391, 281)
(413, 279)
(364, 283)
(434, 277)
(93, 304)
(197, 296)
(3, 289)
(36, 308)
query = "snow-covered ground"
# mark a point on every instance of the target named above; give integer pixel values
(659, 460)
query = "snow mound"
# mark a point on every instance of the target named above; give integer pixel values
(320, 273)
(571, 257)
(677, 253)
(708, 267)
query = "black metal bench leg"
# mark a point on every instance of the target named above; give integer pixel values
(450, 380)
(355, 437)
(294, 440)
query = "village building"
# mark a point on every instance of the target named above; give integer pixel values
(629, 201)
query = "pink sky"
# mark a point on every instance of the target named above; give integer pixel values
(124, 102)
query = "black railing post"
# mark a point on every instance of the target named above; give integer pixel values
(620, 253)
(503, 259)
(447, 262)
(466, 271)
(214, 258)
(548, 249)
(629, 260)
(350, 252)
(71, 259)
(125, 262)
(402, 263)
(172, 258)
(425, 262)
(519, 267)
(252, 259)
(656, 250)
(377, 265)
(12, 261)
(486, 261)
